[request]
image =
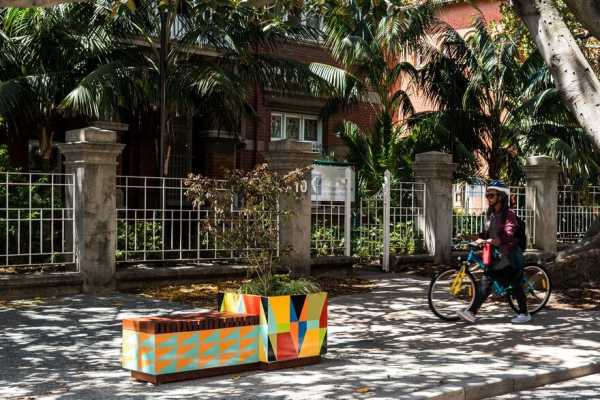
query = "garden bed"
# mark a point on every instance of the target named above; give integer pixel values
(203, 294)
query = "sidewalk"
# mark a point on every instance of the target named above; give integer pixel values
(383, 344)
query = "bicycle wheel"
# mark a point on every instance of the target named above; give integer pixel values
(537, 286)
(444, 299)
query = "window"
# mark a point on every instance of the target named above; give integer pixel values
(276, 126)
(292, 127)
(311, 129)
(305, 128)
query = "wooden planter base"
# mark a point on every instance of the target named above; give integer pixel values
(235, 369)
(200, 373)
(295, 363)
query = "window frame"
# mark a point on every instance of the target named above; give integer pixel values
(303, 117)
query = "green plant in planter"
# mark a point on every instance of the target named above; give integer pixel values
(245, 216)
(282, 285)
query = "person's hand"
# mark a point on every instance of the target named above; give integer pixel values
(480, 241)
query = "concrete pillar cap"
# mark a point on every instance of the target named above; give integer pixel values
(90, 134)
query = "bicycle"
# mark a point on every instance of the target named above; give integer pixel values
(454, 289)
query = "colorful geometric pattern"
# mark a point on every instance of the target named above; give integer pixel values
(291, 327)
(168, 353)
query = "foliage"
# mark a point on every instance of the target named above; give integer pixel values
(138, 237)
(493, 109)
(44, 53)
(100, 60)
(280, 285)
(512, 25)
(247, 214)
(326, 241)
(219, 50)
(4, 159)
(467, 224)
(405, 239)
(26, 225)
(368, 41)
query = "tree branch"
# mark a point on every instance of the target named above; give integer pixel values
(573, 76)
(588, 13)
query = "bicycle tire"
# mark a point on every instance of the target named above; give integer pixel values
(513, 302)
(432, 283)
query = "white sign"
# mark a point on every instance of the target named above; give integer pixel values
(329, 183)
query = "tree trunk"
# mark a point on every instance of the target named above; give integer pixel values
(18, 150)
(588, 13)
(46, 140)
(578, 85)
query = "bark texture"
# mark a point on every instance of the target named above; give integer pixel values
(573, 76)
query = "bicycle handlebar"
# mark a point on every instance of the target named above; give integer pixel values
(469, 243)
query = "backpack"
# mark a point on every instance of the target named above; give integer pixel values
(520, 234)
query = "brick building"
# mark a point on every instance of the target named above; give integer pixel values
(208, 150)
(203, 148)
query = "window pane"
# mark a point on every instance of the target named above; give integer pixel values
(310, 129)
(292, 127)
(276, 126)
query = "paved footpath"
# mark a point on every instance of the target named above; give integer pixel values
(383, 344)
(586, 388)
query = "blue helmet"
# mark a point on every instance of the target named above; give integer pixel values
(498, 186)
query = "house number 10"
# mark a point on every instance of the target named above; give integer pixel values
(302, 187)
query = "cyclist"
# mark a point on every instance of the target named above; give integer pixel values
(500, 228)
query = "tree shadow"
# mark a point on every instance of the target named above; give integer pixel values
(385, 343)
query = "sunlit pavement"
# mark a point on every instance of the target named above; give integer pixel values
(587, 387)
(382, 344)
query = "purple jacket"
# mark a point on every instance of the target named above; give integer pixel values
(506, 231)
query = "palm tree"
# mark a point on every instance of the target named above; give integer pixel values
(43, 54)
(217, 52)
(492, 109)
(369, 40)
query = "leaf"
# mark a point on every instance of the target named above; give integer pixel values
(364, 389)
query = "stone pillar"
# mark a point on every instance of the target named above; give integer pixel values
(294, 232)
(436, 170)
(91, 155)
(542, 198)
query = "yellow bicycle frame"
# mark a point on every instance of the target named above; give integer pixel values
(456, 284)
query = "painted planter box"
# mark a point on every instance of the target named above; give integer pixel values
(292, 329)
(247, 333)
(173, 348)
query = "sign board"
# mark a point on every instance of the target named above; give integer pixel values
(328, 183)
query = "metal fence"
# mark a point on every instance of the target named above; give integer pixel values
(390, 221)
(36, 219)
(577, 210)
(331, 216)
(470, 205)
(157, 222)
(328, 228)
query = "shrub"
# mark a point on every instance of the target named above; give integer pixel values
(405, 239)
(247, 215)
(325, 241)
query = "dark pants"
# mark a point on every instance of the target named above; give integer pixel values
(505, 276)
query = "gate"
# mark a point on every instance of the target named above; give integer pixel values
(370, 226)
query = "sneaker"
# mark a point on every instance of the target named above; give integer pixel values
(521, 319)
(466, 316)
